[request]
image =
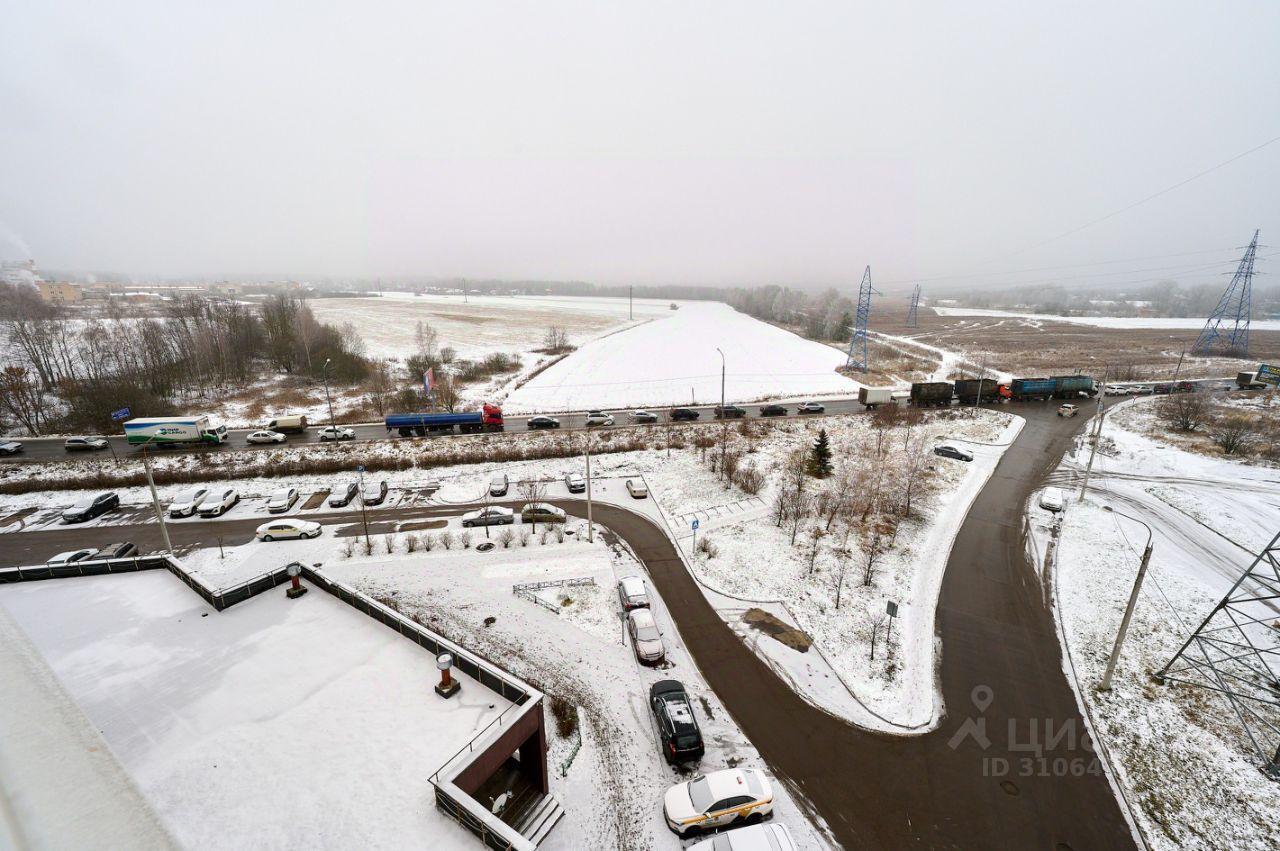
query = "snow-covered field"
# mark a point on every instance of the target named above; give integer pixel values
(673, 361)
(1100, 321)
(481, 325)
(1186, 767)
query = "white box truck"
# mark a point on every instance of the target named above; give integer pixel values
(173, 431)
(872, 396)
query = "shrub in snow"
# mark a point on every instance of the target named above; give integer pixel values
(524, 537)
(506, 536)
(559, 533)
(749, 479)
(429, 542)
(366, 545)
(465, 537)
(348, 548)
(411, 543)
(546, 533)
(565, 715)
(707, 548)
(389, 541)
(446, 539)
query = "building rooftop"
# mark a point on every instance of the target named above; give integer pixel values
(273, 723)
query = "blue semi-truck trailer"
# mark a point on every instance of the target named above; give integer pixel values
(489, 418)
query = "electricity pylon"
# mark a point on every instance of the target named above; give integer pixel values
(858, 345)
(1234, 652)
(1233, 311)
(912, 320)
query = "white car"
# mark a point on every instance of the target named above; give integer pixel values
(1068, 410)
(636, 488)
(646, 640)
(75, 444)
(716, 799)
(757, 837)
(599, 418)
(1052, 499)
(282, 500)
(644, 417)
(336, 433)
(70, 557)
(265, 436)
(811, 408)
(288, 527)
(219, 503)
(494, 515)
(574, 482)
(632, 593)
(188, 502)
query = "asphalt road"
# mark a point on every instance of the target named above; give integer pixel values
(43, 449)
(1008, 766)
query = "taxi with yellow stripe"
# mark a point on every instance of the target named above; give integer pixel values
(732, 796)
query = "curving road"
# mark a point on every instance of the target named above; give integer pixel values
(1008, 771)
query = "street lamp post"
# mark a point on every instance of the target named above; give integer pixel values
(155, 497)
(1105, 685)
(364, 515)
(332, 425)
(724, 415)
(591, 532)
(1097, 437)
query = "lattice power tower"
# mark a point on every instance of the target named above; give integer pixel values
(1236, 652)
(858, 345)
(913, 321)
(1227, 331)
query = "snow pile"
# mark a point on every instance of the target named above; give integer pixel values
(673, 361)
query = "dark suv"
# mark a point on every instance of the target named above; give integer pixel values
(678, 414)
(90, 507)
(729, 412)
(677, 726)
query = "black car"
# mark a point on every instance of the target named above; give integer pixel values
(542, 422)
(677, 725)
(90, 507)
(119, 550)
(678, 414)
(773, 411)
(729, 412)
(378, 495)
(342, 496)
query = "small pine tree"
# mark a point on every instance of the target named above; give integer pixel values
(820, 456)
(845, 329)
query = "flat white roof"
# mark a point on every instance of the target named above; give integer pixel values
(277, 722)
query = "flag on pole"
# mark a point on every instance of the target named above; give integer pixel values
(429, 380)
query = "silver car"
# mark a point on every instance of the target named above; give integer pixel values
(282, 500)
(646, 640)
(632, 593)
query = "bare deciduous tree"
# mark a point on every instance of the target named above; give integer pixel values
(1183, 411)
(1233, 433)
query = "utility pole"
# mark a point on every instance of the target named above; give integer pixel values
(155, 499)
(982, 373)
(1105, 685)
(591, 531)
(724, 415)
(333, 425)
(1097, 437)
(363, 510)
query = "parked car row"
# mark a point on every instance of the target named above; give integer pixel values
(641, 416)
(733, 798)
(499, 515)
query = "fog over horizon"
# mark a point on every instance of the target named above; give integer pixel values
(717, 144)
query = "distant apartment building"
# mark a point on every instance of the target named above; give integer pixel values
(19, 272)
(56, 292)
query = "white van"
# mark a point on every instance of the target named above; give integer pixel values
(288, 423)
(1052, 499)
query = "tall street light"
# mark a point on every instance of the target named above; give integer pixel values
(328, 398)
(724, 415)
(1105, 685)
(155, 498)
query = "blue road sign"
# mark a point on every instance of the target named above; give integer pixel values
(360, 469)
(1268, 374)
(695, 523)
(122, 414)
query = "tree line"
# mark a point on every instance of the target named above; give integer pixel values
(818, 316)
(69, 373)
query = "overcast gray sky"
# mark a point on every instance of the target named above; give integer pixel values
(706, 142)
